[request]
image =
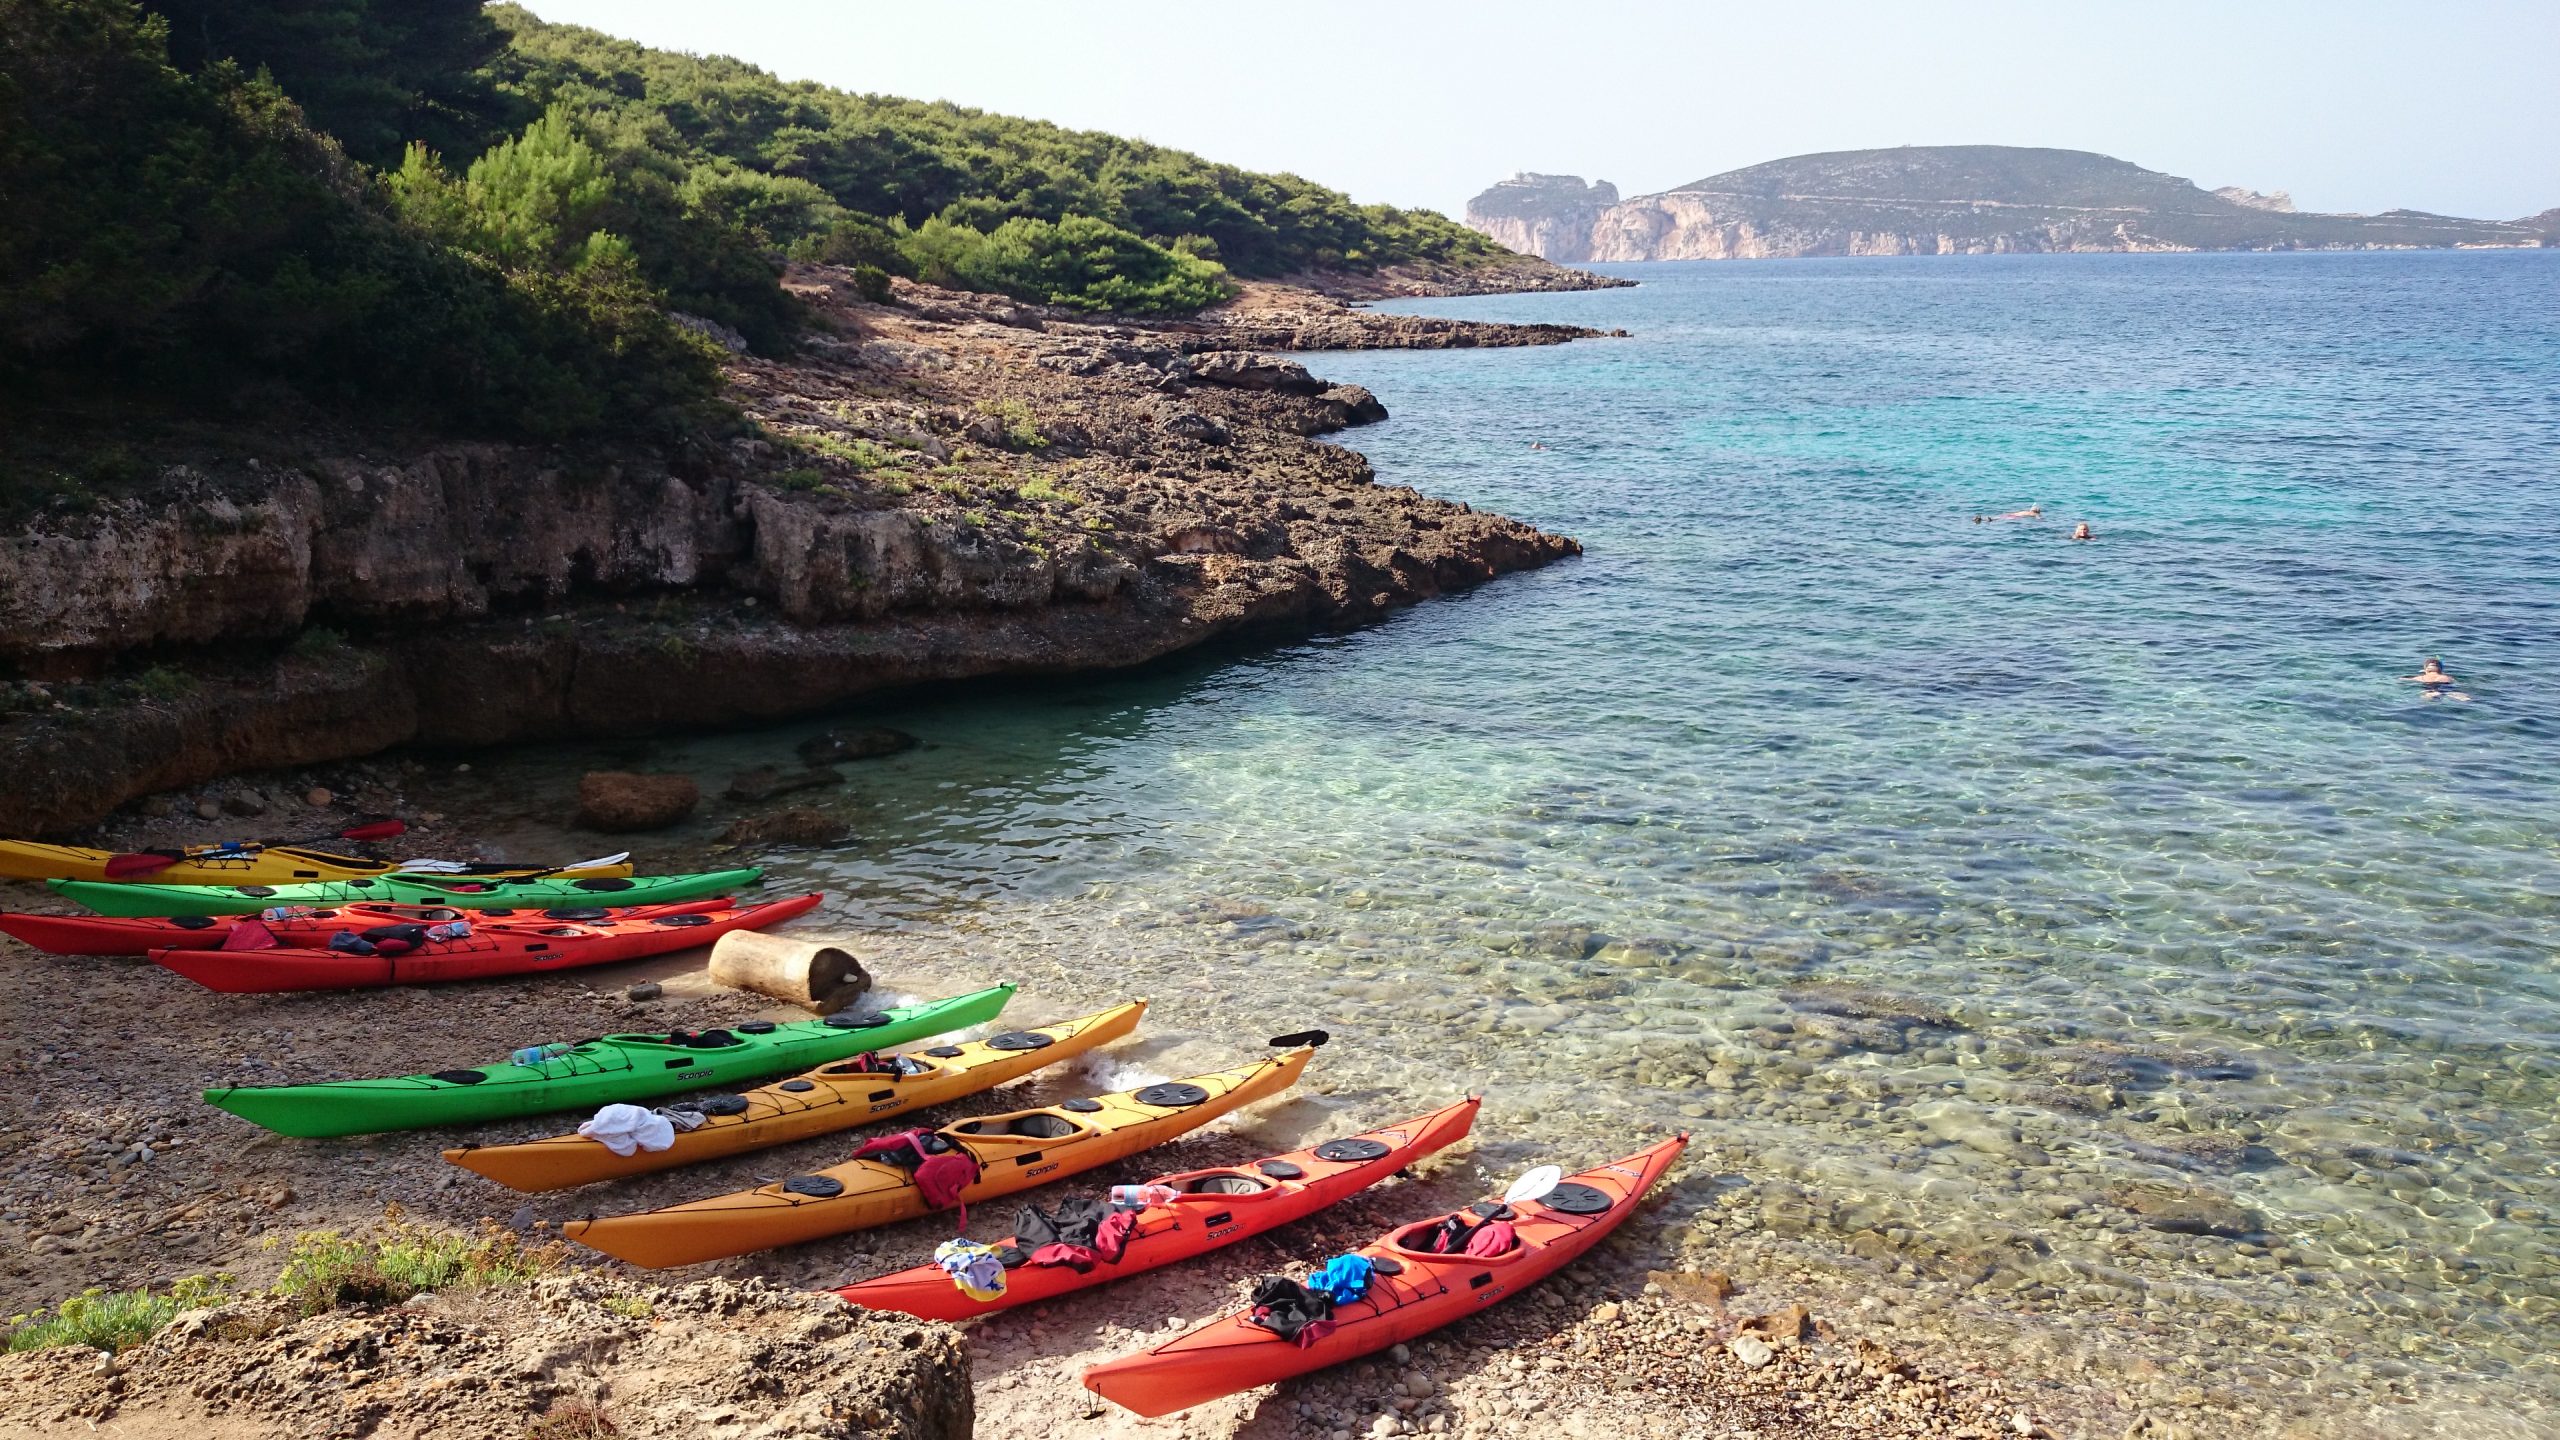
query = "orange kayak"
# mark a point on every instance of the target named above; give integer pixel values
(821, 1102)
(1411, 1291)
(1013, 1152)
(1213, 1208)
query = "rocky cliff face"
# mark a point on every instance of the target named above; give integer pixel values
(1940, 200)
(955, 486)
(1544, 215)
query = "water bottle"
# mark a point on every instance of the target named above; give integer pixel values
(536, 1054)
(1139, 1197)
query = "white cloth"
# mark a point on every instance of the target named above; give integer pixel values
(623, 1129)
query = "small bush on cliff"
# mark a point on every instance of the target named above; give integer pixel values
(325, 1268)
(104, 1320)
(872, 284)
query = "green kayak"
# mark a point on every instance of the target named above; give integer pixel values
(109, 897)
(598, 1072)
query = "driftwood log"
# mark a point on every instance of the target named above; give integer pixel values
(820, 977)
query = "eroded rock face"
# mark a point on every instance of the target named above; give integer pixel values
(949, 488)
(740, 1359)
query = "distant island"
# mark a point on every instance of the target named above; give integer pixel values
(1945, 200)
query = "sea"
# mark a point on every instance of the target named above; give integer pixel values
(2095, 952)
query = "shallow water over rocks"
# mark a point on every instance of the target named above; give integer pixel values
(2092, 937)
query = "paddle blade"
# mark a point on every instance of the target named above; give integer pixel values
(148, 862)
(374, 830)
(1309, 1038)
(1534, 1184)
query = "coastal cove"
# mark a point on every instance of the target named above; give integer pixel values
(2078, 948)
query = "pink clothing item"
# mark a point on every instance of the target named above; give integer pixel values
(1496, 1238)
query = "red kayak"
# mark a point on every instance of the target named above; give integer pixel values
(490, 949)
(1412, 1290)
(1214, 1208)
(129, 935)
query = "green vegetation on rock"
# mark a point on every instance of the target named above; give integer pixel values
(113, 1320)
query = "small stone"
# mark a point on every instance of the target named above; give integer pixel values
(522, 1219)
(2023, 1423)
(245, 802)
(645, 990)
(318, 797)
(208, 808)
(1751, 1350)
(462, 769)
(1607, 1314)
(1401, 1354)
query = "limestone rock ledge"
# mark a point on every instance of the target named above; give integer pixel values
(950, 487)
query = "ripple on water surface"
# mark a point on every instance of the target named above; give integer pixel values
(2100, 931)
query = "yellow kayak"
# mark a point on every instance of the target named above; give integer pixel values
(253, 862)
(827, 1099)
(1012, 1152)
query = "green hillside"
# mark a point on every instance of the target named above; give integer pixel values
(434, 213)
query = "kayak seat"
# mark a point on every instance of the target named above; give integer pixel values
(680, 920)
(1227, 1184)
(1038, 1125)
(193, 922)
(703, 1039)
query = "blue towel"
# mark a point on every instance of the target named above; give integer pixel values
(1343, 1279)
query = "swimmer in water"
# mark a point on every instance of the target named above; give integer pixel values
(2432, 679)
(2032, 512)
(2083, 532)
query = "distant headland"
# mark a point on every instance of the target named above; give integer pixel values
(1946, 200)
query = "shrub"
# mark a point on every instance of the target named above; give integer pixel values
(1080, 262)
(112, 1321)
(872, 284)
(1021, 431)
(858, 240)
(325, 1268)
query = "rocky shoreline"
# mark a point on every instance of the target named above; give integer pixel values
(946, 487)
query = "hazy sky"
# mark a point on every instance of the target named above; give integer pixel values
(2350, 105)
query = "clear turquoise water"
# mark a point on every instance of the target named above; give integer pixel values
(2211, 901)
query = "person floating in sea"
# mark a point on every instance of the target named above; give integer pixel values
(2082, 531)
(2032, 512)
(2434, 683)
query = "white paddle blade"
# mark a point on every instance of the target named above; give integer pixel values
(1534, 1184)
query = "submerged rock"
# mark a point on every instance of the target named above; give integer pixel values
(617, 800)
(799, 826)
(769, 781)
(836, 746)
(2188, 1212)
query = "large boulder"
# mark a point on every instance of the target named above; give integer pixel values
(618, 800)
(1245, 370)
(1355, 403)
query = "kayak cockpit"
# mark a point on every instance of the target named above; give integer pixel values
(1219, 1185)
(1023, 1126)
